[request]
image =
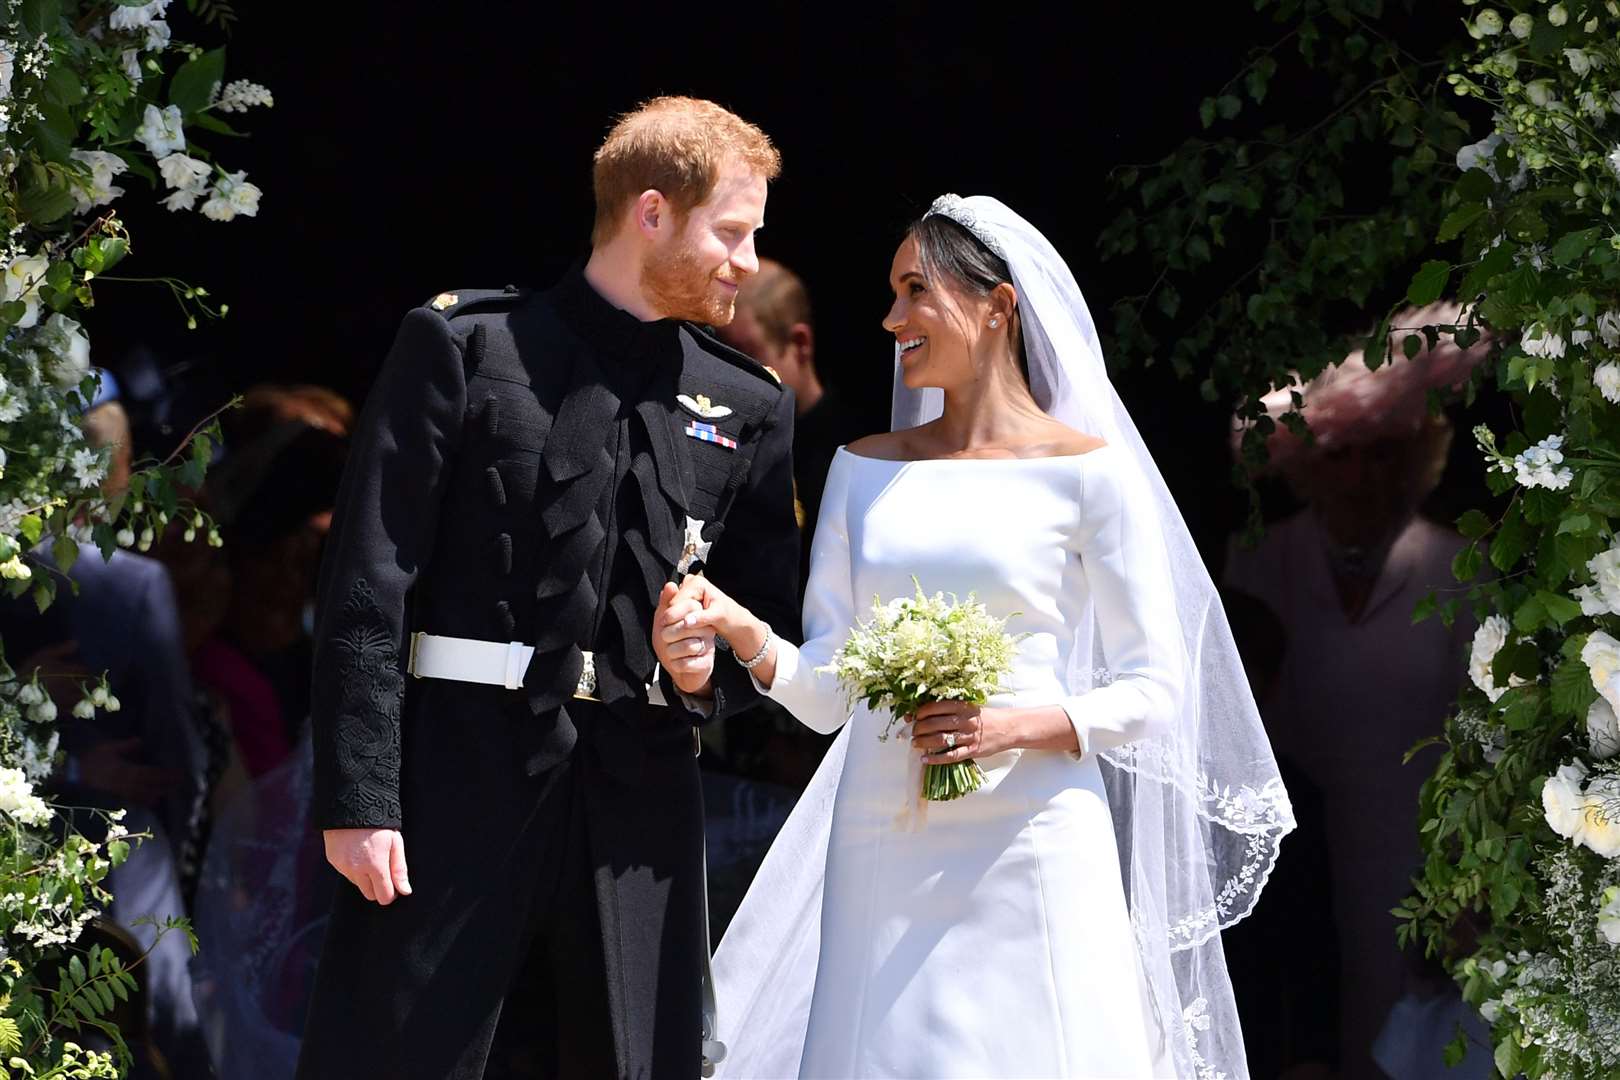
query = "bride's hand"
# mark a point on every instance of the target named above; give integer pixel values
(685, 649)
(976, 730)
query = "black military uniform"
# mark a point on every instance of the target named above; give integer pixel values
(526, 469)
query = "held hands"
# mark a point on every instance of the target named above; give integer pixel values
(372, 859)
(685, 649)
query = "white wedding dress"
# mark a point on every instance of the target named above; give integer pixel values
(988, 936)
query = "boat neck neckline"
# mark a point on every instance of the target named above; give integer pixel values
(952, 460)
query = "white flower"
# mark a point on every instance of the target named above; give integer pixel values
(1558, 15)
(184, 199)
(1601, 655)
(185, 173)
(113, 704)
(1609, 916)
(103, 165)
(30, 694)
(68, 359)
(1488, 23)
(88, 468)
(157, 35)
(14, 569)
(1592, 105)
(17, 798)
(1563, 803)
(1542, 342)
(98, 697)
(125, 537)
(232, 195)
(1489, 638)
(242, 95)
(1540, 92)
(24, 275)
(43, 713)
(1522, 24)
(1605, 570)
(1602, 730)
(1614, 160)
(137, 18)
(1601, 829)
(162, 131)
(1609, 327)
(1478, 155)
(1580, 61)
(131, 61)
(38, 760)
(1490, 1010)
(8, 64)
(85, 709)
(1539, 465)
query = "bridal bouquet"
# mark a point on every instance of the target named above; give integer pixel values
(920, 649)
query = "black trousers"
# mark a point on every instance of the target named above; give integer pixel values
(495, 965)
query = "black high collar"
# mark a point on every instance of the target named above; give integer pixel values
(612, 329)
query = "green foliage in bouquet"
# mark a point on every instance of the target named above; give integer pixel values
(1520, 821)
(92, 95)
(920, 649)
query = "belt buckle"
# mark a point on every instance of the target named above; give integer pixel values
(586, 691)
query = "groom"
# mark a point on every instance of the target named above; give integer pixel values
(504, 770)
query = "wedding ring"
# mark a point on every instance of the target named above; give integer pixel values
(950, 740)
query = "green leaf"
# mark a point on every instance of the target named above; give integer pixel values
(62, 86)
(1497, 260)
(1526, 225)
(1561, 608)
(1458, 221)
(1529, 616)
(32, 526)
(76, 970)
(1228, 105)
(1524, 709)
(1576, 524)
(1465, 567)
(1429, 282)
(1206, 111)
(1425, 608)
(1412, 346)
(1510, 542)
(54, 133)
(195, 80)
(64, 552)
(1572, 690)
(1507, 1051)
(40, 16)
(1474, 524)
(117, 851)
(1572, 247)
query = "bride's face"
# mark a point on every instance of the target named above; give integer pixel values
(933, 323)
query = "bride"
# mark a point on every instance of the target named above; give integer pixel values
(1064, 919)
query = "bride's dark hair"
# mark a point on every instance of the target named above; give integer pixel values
(948, 251)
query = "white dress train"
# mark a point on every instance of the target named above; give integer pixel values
(988, 936)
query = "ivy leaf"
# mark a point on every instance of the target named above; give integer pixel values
(195, 80)
(1458, 221)
(1572, 246)
(1429, 282)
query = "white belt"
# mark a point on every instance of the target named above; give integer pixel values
(495, 663)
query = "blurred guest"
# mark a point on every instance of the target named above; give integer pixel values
(1360, 684)
(147, 758)
(773, 325)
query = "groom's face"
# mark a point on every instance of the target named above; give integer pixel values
(693, 272)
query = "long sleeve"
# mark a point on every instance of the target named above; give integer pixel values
(816, 699)
(756, 559)
(382, 537)
(1128, 573)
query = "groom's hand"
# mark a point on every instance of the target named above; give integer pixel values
(684, 649)
(372, 859)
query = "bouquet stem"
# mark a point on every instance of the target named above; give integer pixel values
(941, 783)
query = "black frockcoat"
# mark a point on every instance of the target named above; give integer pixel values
(522, 471)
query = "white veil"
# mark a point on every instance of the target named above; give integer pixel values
(1199, 812)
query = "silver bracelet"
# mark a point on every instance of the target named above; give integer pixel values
(759, 657)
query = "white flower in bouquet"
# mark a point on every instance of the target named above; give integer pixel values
(1600, 830)
(85, 709)
(1607, 380)
(158, 34)
(1602, 730)
(30, 693)
(1581, 335)
(1490, 1010)
(162, 131)
(1522, 24)
(130, 61)
(1488, 23)
(137, 18)
(1609, 915)
(1489, 638)
(43, 713)
(67, 359)
(17, 798)
(1563, 802)
(920, 649)
(232, 196)
(1558, 15)
(1609, 325)
(1603, 596)
(14, 569)
(38, 760)
(104, 166)
(184, 172)
(125, 537)
(1542, 465)
(88, 467)
(1579, 61)
(1592, 105)
(1542, 342)
(24, 275)
(1540, 92)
